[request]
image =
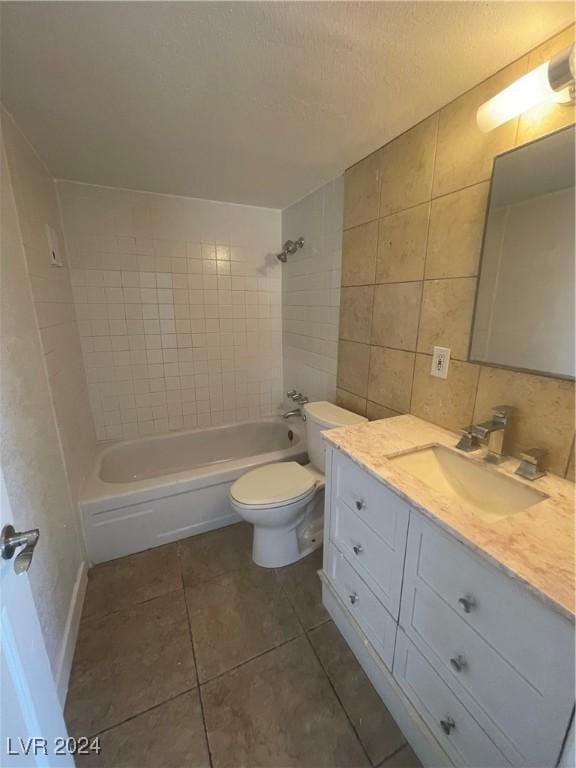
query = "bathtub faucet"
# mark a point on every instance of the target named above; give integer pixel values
(295, 412)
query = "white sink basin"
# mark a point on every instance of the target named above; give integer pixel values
(491, 494)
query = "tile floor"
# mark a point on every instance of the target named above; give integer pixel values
(191, 656)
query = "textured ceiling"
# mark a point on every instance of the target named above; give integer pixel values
(248, 102)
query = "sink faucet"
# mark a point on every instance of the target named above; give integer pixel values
(494, 433)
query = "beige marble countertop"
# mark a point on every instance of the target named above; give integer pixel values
(535, 545)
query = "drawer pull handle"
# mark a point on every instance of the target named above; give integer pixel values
(360, 504)
(467, 603)
(447, 725)
(358, 549)
(353, 598)
(458, 663)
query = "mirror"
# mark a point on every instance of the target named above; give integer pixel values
(524, 313)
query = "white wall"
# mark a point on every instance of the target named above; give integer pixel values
(33, 462)
(179, 308)
(311, 292)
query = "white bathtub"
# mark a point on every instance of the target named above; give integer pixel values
(148, 492)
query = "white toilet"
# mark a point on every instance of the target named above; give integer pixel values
(285, 501)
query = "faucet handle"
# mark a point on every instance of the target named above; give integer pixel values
(302, 399)
(530, 467)
(468, 440)
(291, 394)
(503, 412)
(533, 455)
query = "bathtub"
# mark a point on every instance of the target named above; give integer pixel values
(152, 491)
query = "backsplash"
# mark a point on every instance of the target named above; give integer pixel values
(178, 303)
(311, 292)
(413, 223)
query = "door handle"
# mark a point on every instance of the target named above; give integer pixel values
(11, 540)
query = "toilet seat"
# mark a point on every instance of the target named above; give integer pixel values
(274, 485)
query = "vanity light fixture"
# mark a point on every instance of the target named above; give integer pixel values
(550, 82)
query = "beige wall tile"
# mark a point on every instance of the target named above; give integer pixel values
(362, 191)
(359, 246)
(356, 313)
(447, 402)
(544, 415)
(374, 411)
(446, 317)
(395, 317)
(546, 118)
(390, 378)
(406, 168)
(353, 363)
(455, 236)
(465, 154)
(402, 241)
(351, 402)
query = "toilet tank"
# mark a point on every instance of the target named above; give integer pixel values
(321, 416)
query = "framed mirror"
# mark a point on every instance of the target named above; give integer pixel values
(524, 311)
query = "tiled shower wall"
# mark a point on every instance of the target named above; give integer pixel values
(311, 292)
(178, 303)
(413, 220)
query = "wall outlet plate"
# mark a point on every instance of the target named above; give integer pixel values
(440, 362)
(54, 247)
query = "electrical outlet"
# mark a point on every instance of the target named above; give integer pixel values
(440, 362)
(54, 248)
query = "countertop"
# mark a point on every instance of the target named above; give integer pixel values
(535, 545)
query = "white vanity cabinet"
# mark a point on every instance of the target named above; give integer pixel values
(476, 669)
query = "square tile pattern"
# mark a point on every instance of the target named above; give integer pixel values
(413, 225)
(191, 656)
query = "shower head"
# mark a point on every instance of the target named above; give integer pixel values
(290, 247)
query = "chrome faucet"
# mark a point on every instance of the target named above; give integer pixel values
(299, 398)
(494, 433)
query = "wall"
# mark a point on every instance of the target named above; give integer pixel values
(311, 292)
(37, 206)
(179, 308)
(32, 460)
(413, 220)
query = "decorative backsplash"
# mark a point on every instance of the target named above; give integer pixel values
(413, 221)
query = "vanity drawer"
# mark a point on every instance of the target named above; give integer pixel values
(503, 639)
(448, 718)
(380, 563)
(375, 621)
(377, 506)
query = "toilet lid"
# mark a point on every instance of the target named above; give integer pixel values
(272, 485)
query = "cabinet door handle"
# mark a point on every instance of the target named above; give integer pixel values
(358, 549)
(447, 725)
(360, 504)
(353, 598)
(458, 663)
(468, 602)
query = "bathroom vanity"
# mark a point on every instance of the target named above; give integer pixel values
(453, 583)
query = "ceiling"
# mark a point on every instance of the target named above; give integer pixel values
(250, 102)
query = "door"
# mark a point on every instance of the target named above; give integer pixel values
(32, 729)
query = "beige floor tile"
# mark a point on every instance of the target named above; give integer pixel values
(171, 735)
(359, 246)
(402, 242)
(374, 725)
(390, 378)
(353, 362)
(302, 585)
(543, 416)
(279, 711)
(446, 402)
(404, 758)
(406, 167)
(236, 617)
(215, 553)
(455, 237)
(446, 319)
(356, 313)
(131, 580)
(361, 191)
(351, 402)
(395, 316)
(129, 661)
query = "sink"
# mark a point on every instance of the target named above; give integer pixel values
(489, 493)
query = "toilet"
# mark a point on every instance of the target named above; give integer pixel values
(285, 501)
